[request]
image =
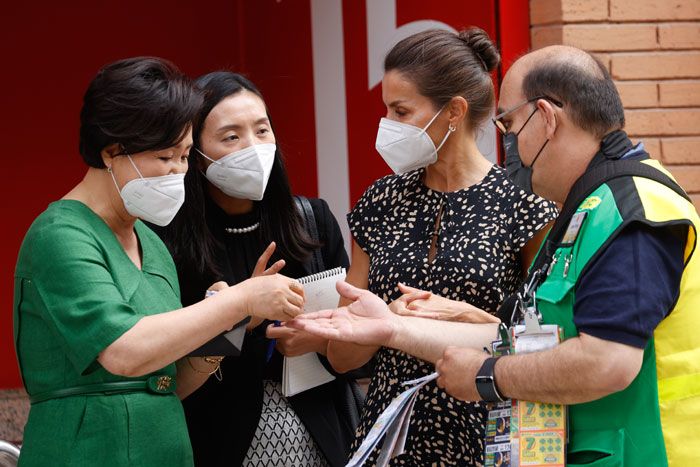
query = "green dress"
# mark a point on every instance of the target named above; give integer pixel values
(76, 292)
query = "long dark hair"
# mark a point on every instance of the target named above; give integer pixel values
(191, 243)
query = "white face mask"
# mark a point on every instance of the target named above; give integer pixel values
(243, 174)
(153, 199)
(406, 147)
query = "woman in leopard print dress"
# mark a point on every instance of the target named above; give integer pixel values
(454, 225)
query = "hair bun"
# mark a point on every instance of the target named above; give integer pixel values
(483, 47)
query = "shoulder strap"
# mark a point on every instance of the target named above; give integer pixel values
(315, 263)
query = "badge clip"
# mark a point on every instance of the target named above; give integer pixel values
(532, 322)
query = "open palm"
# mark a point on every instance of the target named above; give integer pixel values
(367, 320)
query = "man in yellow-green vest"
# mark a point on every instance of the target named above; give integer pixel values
(622, 281)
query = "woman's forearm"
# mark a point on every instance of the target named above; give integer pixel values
(156, 341)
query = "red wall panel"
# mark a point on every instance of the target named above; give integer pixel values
(277, 56)
(51, 51)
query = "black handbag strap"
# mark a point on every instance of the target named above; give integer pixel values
(315, 262)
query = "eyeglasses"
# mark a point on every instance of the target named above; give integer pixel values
(501, 126)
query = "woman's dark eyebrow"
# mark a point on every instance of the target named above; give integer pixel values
(235, 126)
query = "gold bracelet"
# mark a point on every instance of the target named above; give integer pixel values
(212, 361)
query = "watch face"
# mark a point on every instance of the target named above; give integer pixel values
(484, 379)
(486, 387)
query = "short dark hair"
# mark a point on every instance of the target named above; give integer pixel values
(444, 65)
(586, 90)
(188, 237)
(140, 103)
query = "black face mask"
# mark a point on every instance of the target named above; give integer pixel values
(519, 173)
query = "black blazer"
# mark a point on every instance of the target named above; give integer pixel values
(222, 416)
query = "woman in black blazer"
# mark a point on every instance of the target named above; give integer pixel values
(238, 201)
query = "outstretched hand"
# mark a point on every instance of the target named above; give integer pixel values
(422, 304)
(367, 320)
(294, 342)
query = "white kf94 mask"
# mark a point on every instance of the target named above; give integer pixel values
(243, 174)
(406, 147)
(153, 199)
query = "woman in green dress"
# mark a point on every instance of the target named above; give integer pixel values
(100, 334)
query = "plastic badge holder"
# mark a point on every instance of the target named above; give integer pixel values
(538, 430)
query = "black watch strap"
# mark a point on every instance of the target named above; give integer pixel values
(486, 381)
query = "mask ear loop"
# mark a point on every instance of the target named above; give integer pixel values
(206, 157)
(538, 153)
(135, 168)
(450, 128)
(543, 146)
(425, 128)
(109, 169)
(203, 172)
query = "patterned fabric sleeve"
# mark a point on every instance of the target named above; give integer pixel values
(530, 214)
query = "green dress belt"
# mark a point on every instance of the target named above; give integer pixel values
(157, 384)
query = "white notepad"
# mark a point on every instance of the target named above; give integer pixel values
(306, 371)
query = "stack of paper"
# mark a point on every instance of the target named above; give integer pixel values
(394, 423)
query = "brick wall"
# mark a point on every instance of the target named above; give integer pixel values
(652, 49)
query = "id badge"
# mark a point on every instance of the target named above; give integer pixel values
(573, 229)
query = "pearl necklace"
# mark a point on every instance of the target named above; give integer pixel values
(241, 230)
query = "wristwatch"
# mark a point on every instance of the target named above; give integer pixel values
(486, 381)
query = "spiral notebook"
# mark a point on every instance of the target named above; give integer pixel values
(304, 372)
